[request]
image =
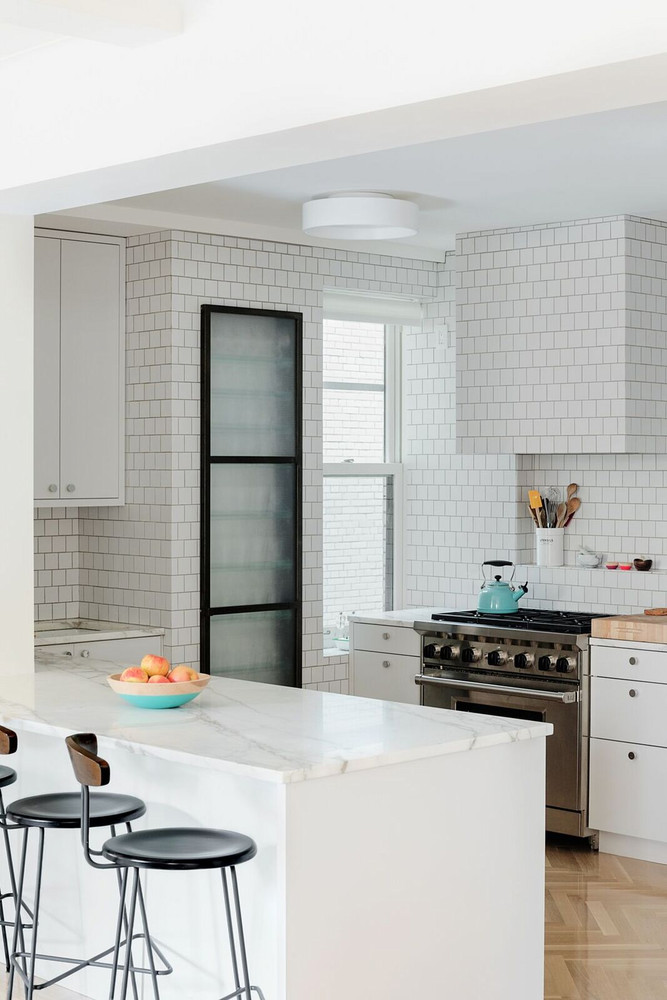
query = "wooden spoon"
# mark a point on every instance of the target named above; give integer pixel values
(571, 490)
(533, 514)
(561, 514)
(572, 507)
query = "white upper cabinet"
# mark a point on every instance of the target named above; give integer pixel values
(79, 370)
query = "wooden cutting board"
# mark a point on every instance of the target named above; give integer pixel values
(637, 628)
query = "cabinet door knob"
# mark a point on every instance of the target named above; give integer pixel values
(386, 663)
(70, 487)
(85, 652)
(632, 693)
(68, 652)
(633, 660)
(631, 755)
(53, 488)
(385, 635)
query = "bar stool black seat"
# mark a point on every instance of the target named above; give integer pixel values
(181, 848)
(62, 811)
(7, 776)
(168, 849)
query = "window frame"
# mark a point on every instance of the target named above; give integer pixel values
(392, 466)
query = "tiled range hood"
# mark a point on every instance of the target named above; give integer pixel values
(562, 338)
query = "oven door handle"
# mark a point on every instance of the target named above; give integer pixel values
(568, 697)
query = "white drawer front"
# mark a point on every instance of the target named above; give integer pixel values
(389, 677)
(633, 664)
(58, 649)
(626, 794)
(386, 637)
(630, 711)
(126, 652)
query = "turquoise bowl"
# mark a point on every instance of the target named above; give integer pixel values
(154, 695)
(160, 701)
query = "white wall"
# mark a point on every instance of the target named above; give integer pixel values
(16, 421)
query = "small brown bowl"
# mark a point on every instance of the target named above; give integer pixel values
(643, 565)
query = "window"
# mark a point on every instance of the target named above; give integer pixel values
(362, 474)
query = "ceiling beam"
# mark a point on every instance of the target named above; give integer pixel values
(127, 23)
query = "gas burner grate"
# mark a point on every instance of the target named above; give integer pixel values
(568, 622)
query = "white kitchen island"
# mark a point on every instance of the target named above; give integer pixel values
(401, 849)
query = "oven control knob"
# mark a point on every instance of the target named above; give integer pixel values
(546, 662)
(524, 661)
(450, 652)
(565, 664)
(497, 658)
(432, 651)
(471, 654)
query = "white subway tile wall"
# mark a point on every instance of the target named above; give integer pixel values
(140, 562)
(56, 563)
(561, 344)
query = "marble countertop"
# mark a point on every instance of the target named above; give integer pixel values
(261, 731)
(83, 630)
(406, 617)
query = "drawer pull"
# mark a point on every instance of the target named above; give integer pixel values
(85, 652)
(631, 755)
(385, 635)
(632, 693)
(386, 663)
(632, 661)
(68, 652)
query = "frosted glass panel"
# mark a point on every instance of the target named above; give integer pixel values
(252, 385)
(251, 534)
(254, 647)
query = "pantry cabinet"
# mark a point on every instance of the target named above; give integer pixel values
(628, 748)
(79, 369)
(385, 662)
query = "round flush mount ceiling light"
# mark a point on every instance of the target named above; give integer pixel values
(360, 216)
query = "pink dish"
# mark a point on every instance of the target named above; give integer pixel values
(612, 565)
(625, 566)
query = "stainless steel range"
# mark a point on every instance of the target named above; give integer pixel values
(531, 664)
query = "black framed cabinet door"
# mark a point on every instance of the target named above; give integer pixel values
(251, 494)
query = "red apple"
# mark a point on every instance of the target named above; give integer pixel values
(135, 675)
(155, 665)
(158, 679)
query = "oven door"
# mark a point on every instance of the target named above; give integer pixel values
(560, 707)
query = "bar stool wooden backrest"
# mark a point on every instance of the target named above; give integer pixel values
(9, 741)
(90, 770)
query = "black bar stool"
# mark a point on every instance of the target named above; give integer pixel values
(62, 811)
(166, 849)
(8, 744)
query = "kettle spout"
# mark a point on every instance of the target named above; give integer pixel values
(520, 591)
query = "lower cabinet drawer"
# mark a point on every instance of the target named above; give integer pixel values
(626, 783)
(127, 652)
(397, 638)
(389, 676)
(631, 663)
(629, 711)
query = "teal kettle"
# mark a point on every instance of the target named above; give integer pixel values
(497, 596)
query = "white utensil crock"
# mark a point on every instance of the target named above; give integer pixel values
(549, 542)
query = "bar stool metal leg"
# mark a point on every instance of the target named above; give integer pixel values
(246, 989)
(18, 930)
(120, 923)
(130, 932)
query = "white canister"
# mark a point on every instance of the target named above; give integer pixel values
(549, 543)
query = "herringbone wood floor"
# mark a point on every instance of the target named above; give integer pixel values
(606, 926)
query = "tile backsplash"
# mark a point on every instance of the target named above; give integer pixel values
(57, 562)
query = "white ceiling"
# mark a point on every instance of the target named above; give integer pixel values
(603, 164)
